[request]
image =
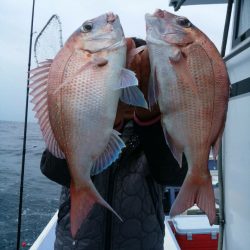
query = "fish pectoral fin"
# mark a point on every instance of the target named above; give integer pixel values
(133, 96)
(39, 84)
(196, 190)
(152, 88)
(83, 198)
(127, 79)
(110, 154)
(176, 151)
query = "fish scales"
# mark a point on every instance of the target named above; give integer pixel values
(183, 108)
(192, 86)
(74, 103)
(76, 109)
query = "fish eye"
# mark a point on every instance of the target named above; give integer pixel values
(184, 22)
(87, 27)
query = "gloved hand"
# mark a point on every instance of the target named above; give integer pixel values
(140, 64)
(125, 112)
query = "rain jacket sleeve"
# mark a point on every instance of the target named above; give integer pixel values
(55, 169)
(162, 165)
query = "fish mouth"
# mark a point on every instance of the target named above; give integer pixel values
(113, 46)
(149, 21)
(116, 45)
(176, 32)
(113, 23)
(110, 36)
(111, 17)
(159, 13)
(163, 14)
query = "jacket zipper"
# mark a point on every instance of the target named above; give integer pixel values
(130, 147)
(110, 191)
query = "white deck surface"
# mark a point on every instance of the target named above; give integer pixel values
(45, 240)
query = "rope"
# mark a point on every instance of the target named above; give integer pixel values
(19, 221)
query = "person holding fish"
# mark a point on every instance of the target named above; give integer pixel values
(83, 98)
(67, 93)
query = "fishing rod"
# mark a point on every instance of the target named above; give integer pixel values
(19, 221)
(220, 159)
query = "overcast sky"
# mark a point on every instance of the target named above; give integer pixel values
(15, 19)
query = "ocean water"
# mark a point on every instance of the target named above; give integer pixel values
(41, 196)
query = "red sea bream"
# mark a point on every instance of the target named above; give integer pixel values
(76, 97)
(189, 81)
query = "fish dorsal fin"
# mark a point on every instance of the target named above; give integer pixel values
(152, 88)
(176, 151)
(131, 94)
(110, 154)
(39, 84)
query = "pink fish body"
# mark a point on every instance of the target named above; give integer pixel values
(190, 83)
(76, 97)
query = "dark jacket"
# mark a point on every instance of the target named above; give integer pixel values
(133, 186)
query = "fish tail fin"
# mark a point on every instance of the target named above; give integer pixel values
(82, 200)
(196, 191)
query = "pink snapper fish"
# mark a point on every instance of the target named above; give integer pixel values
(189, 81)
(76, 97)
